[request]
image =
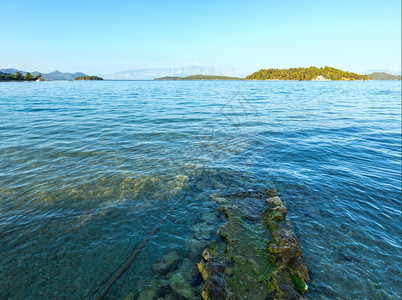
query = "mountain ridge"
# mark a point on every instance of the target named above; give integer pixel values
(199, 77)
(183, 71)
(178, 73)
(383, 76)
(55, 75)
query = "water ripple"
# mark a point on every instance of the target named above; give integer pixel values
(87, 169)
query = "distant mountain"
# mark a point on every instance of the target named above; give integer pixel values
(199, 77)
(392, 72)
(55, 75)
(12, 71)
(150, 74)
(384, 76)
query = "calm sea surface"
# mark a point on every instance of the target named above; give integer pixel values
(88, 168)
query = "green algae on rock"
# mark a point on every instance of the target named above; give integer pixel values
(257, 255)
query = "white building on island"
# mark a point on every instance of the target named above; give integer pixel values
(320, 78)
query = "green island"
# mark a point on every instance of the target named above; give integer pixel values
(199, 77)
(305, 74)
(18, 76)
(88, 78)
(384, 76)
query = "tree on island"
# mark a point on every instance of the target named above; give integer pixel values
(88, 78)
(18, 77)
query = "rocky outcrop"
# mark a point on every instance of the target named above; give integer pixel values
(252, 253)
(257, 256)
(284, 250)
(212, 272)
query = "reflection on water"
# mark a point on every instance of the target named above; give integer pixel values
(88, 168)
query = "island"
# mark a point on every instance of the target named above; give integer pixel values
(199, 77)
(384, 76)
(88, 78)
(306, 74)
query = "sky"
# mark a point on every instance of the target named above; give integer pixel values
(103, 37)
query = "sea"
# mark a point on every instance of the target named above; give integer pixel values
(89, 169)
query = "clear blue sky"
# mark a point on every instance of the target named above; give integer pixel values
(110, 36)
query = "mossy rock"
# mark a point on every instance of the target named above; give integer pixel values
(259, 260)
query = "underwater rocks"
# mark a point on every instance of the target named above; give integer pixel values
(255, 257)
(180, 286)
(210, 217)
(202, 231)
(347, 255)
(130, 296)
(195, 245)
(175, 277)
(148, 293)
(166, 263)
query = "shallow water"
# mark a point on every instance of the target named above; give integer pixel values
(88, 168)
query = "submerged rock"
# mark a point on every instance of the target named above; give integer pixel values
(148, 293)
(154, 287)
(130, 296)
(257, 260)
(219, 200)
(166, 263)
(347, 255)
(181, 286)
(195, 247)
(187, 269)
(210, 217)
(195, 244)
(202, 231)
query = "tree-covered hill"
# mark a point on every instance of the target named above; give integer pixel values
(310, 73)
(55, 75)
(88, 78)
(169, 78)
(18, 76)
(199, 77)
(384, 76)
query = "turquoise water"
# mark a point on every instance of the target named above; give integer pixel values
(88, 168)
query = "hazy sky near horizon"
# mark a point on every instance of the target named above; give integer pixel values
(98, 37)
